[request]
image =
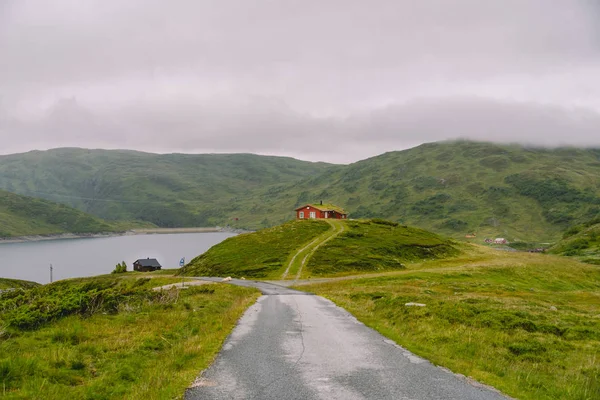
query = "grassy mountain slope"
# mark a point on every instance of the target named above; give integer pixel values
(21, 215)
(581, 242)
(526, 194)
(168, 190)
(364, 246)
(457, 188)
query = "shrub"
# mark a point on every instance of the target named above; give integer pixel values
(528, 347)
(29, 309)
(578, 244)
(120, 268)
(380, 221)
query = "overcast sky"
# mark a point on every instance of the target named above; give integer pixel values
(332, 80)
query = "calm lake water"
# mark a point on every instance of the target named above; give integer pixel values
(72, 258)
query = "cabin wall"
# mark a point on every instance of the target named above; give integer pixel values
(307, 210)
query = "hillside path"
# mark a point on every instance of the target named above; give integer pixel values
(294, 345)
(299, 259)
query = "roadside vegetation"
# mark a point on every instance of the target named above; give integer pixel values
(527, 324)
(112, 337)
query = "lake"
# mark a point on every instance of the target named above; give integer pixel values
(72, 258)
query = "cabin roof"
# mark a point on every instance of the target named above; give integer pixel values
(324, 207)
(148, 262)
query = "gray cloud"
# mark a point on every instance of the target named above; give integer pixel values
(262, 126)
(257, 76)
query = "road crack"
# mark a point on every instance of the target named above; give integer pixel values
(263, 388)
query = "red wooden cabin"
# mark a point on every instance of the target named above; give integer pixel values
(317, 211)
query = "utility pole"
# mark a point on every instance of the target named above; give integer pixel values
(51, 273)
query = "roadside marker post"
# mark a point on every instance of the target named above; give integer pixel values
(181, 264)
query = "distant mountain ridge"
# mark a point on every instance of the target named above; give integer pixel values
(453, 188)
(462, 187)
(23, 216)
(169, 190)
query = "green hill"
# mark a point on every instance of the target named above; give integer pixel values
(6, 283)
(21, 216)
(454, 188)
(360, 246)
(169, 190)
(581, 242)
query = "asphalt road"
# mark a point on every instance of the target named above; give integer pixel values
(293, 345)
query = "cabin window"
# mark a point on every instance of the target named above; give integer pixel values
(301, 216)
(313, 214)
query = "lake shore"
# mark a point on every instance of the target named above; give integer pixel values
(147, 231)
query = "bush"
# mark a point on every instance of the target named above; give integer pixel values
(380, 221)
(578, 244)
(29, 309)
(571, 232)
(120, 268)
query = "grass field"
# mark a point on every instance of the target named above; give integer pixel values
(527, 324)
(377, 245)
(133, 344)
(261, 254)
(297, 260)
(322, 248)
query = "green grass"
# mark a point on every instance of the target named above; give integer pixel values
(363, 246)
(6, 283)
(297, 260)
(490, 315)
(150, 349)
(261, 254)
(377, 245)
(22, 216)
